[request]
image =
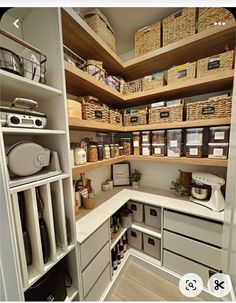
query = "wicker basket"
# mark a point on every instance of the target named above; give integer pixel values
(166, 114)
(150, 83)
(179, 25)
(92, 109)
(100, 25)
(208, 16)
(139, 118)
(148, 39)
(115, 117)
(95, 69)
(214, 64)
(89, 203)
(182, 72)
(133, 87)
(216, 107)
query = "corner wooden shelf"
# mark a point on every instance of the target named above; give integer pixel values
(76, 124)
(182, 160)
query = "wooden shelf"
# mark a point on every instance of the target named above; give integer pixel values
(120, 233)
(147, 230)
(88, 125)
(207, 43)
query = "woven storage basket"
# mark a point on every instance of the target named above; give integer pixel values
(95, 69)
(216, 107)
(148, 39)
(166, 114)
(209, 15)
(153, 83)
(179, 25)
(89, 203)
(182, 72)
(135, 118)
(115, 117)
(100, 25)
(92, 109)
(215, 64)
(133, 87)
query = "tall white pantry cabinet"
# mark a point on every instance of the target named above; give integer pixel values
(41, 27)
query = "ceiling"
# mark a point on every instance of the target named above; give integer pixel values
(126, 21)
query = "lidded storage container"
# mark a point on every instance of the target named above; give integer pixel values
(92, 153)
(158, 137)
(219, 134)
(194, 150)
(174, 142)
(158, 150)
(218, 150)
(146, 149)
(194, 135)
(136, 143)
(126, 143)
(146, 137)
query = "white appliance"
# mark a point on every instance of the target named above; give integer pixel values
(216, 201)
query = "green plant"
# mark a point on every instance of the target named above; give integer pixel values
(178, 188)
(135, 176)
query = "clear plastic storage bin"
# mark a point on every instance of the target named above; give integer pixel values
(219, 134)
(146, 138)
(146, 149)
(194, 135)
(135, 238)
(174, 142)
(194, 150)
(158, 150)
(218, 150)
(158, 137)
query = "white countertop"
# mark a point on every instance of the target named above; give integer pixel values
(107, 203)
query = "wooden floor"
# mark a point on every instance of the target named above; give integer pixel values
(138, 284)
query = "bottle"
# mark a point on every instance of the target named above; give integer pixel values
(111, 226)
(114, 259)
(80, 156)
(121, 249)
(125, 243)
(115, 227)
(118, 254)
(106, 151)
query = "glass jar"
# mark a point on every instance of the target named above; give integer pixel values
(117, 150)
(219, 134)
(126, 143)
(158, 150)
(194, 135)
(80, 156)
(100, 152)
(92, 153)
(106, 152)
(112, 150)
(158, 137)
(146, 149)
(121, 150)
(136, 143)
(174, 142)
(146, 138)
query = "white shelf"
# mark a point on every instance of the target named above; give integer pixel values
(117, 238)
(141, 255)
(26, 131)
(13, 86)
(71, 293)
(147, 230)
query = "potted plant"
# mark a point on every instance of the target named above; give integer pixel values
(134, 177)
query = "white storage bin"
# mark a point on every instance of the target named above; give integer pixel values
(152, 216)
(135, 238)
(152, 246)
(137, 211)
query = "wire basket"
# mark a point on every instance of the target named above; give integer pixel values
(73, 58)
(29, 63)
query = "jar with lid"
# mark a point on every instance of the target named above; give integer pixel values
(146, 149)
(112, 150)
(92, 153)
(100, 151)
(136, 143)
(158, 150)
(146, 138)
(174, 142)
(218, 150)
(219, 134)
(194, 135)
(121, 150)
(126, 143)
(194, 150)
(116, 150)
(106, 152)
(158, 137)
(80, 156)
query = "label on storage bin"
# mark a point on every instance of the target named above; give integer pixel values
(136, 143)
(133, 234)
(181, 73)
(151, 241)
(208, 110)
(146, 151)
(98, 114)
(165, 114)
(193, 151)
(218, 152)
(157, 150)
(214, 62)
(219, 135)
(133, 119)
(173, 143)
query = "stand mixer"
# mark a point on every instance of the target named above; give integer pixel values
(216, 201)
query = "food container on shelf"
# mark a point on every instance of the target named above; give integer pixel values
(93, 109)
(218, 150)
(135, 238)
(136, 143)
(100, 151)
(194, 150)
(132, 87)
(126, 143)
(135, 117)
(194, 135)
(152, 216)
(146, 149)
(154, 81)
(106, 152)
(146, 137)
(174, 142)
(158, 150)
(137, 211)
(112, 150)
(158, 137)
(116, 150)
(95, 69)
(115, 117)
(121, 150)
(152, 246)
(80, 156)
(219, 134)
(92, 153)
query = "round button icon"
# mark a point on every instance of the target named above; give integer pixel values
(219, 285)
(190, 285)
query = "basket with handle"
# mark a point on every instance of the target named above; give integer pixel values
(93, 109)
(115, 117)
(166, 114)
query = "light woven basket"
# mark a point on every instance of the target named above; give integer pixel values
(135, 118)
(214, 64)
(115, 117)
(179, 25)
(95, 69)
(182, 72)
(153, 83)
(148, 39)
(166, 114)
(92, 109)
(101, 26)
(208, 16)
(89, 203)
(133, 87)
(216, 107)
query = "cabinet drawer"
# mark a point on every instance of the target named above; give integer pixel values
(100, 285)
(197, 251)
(182, 266)
(95, 268)
(209, 232)
(93, 244)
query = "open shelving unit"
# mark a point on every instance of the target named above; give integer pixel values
(146, 229)
(119, 234)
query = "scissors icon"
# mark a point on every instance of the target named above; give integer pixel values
(219, 284)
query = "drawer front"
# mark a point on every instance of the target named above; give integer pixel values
(197, 251)
(95, 268)
(200, 229)
(93, 244)
(135, 238)
(137, 211)
(152, 216)
(99, 287)
(182, 266)
(152, 246)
